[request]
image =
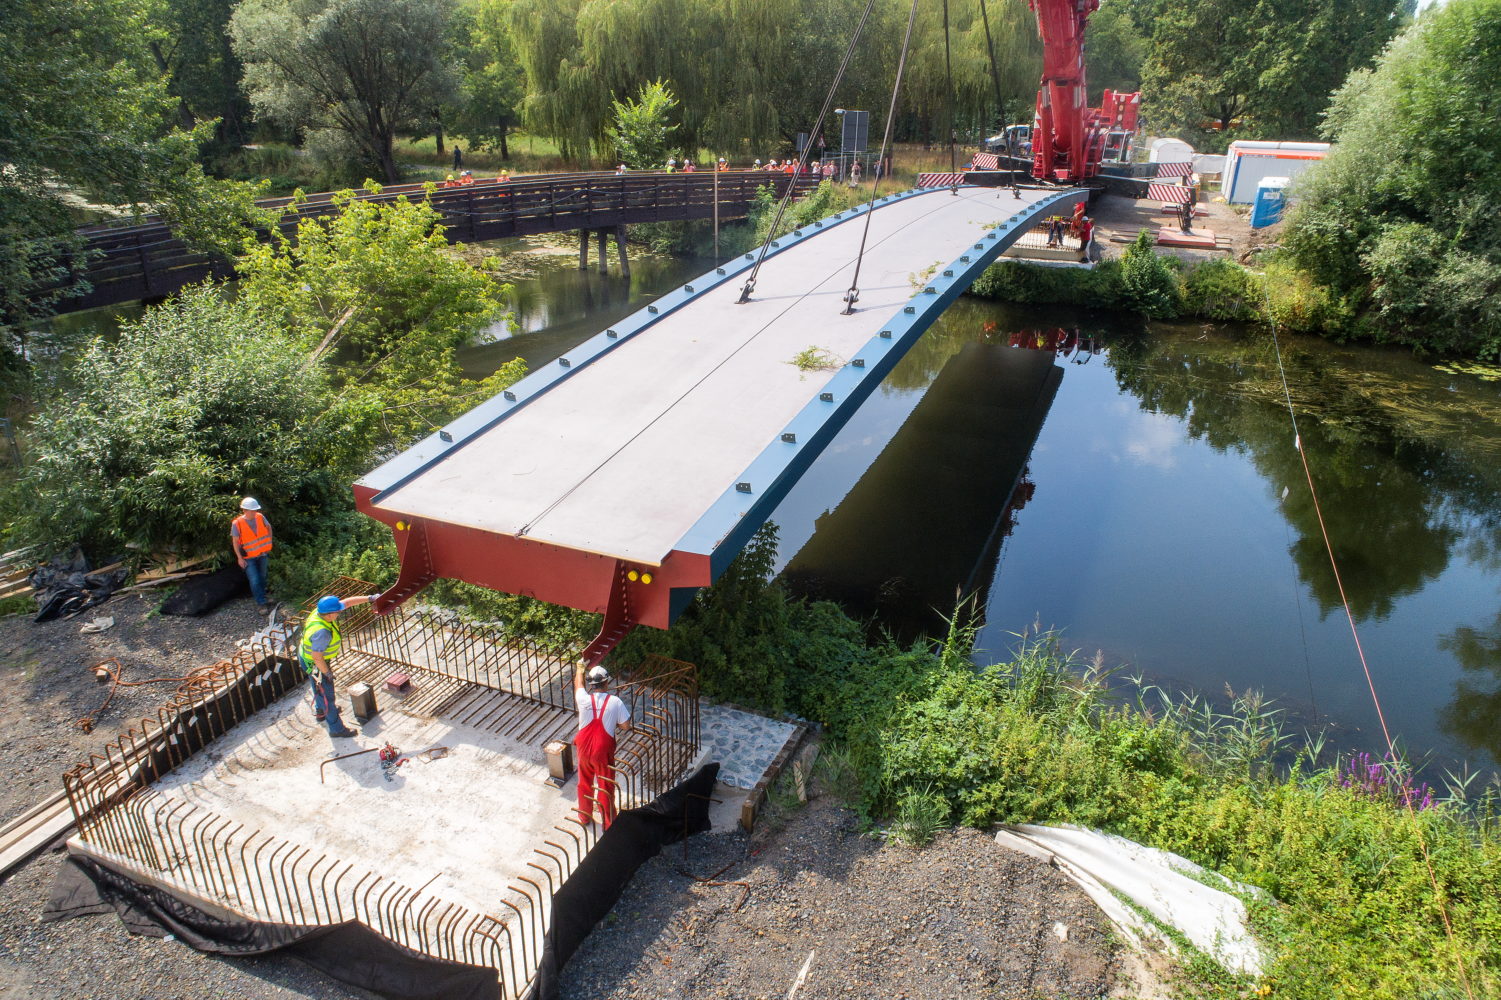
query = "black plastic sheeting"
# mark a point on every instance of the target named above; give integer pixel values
(67, 585)
(353, 953)
(636, 836)
(198, 595)
(349, 952)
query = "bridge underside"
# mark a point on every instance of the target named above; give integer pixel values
(631, 471)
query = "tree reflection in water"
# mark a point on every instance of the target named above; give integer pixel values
(1474, 716)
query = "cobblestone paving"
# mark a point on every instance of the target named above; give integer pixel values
(744, 744)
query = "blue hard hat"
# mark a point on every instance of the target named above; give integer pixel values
(329, 604)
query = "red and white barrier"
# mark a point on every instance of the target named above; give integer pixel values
(1176, 194)
(939, 180)
(1174, 170)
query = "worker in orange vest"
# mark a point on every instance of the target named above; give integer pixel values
(250, 538)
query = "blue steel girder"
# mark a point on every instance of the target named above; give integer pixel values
(740, 512)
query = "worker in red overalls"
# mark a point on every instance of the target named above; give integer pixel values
(602, 716)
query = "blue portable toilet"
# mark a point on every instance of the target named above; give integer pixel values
(1267, 208)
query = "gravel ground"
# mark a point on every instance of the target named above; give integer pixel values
(44, 670)
(47, 685)
(961, 918)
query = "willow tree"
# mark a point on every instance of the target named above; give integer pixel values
(963, 52)
(751, 74)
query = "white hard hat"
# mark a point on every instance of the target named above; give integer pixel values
(250, 503)
(598, 676)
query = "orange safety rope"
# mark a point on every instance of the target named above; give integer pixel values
(1391, 746)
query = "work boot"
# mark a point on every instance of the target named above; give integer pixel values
(345, 732)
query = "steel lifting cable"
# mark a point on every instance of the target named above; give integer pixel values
(802, 160)
(948, 101)
(853, 295)
(1391, 747)
(995, 73)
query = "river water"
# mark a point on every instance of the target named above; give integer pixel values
(1140, 487)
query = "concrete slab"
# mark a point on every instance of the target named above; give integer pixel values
(1198, 239)
(463, 826)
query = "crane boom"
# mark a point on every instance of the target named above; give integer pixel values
(1069, 138)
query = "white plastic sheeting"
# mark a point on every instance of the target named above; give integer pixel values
(1171, 888)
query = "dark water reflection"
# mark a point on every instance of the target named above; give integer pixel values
(1149, 498)
(563, 306)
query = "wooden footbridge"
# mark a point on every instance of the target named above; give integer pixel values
(628, 473)
(144, 260)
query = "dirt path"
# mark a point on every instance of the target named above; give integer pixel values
(960, 918)
(1116, 215)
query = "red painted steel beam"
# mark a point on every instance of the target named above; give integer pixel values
(520, 565)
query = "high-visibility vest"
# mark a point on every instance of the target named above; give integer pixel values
(254, 534)
(310, 627)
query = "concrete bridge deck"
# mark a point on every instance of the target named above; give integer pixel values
(632, 470)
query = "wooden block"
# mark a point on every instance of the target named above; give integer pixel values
(398, 683)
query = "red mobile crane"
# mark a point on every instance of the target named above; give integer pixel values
(1069, 138)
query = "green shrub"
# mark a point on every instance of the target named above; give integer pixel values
(1016, 281)
(1149, 282)
(1222, 289)
(158, 435)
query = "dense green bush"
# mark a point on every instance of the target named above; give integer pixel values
(1098, 287)
(1149, 283)
(1221, 289)
(157, 436)
(1400, 219)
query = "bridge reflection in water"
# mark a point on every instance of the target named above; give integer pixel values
(927, 520)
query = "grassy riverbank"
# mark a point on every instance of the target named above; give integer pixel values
(1358, 886)
(1164, 287)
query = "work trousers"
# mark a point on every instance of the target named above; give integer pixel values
(255, 572)
(325, 702)
(596, 750)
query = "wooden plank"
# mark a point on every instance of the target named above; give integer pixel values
(33, 830)
(176, 566)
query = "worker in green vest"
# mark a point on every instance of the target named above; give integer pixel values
(318, 649)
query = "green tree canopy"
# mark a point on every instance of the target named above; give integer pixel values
(374, 289)
(84, 118)
(643, 128)
(1117, 49)
(364, 69)
(199, 402)
(1401, 218)
(752, 74)
(489, 103)
(1263, 67)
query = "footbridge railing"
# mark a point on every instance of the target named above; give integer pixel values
(143, 259)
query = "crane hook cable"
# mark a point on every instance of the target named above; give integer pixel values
(1391, 747)
(802, 160)
(853, 295)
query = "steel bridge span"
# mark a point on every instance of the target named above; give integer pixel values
(628, 473)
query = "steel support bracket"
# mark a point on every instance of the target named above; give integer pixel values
(618, 619)
(416, 570)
